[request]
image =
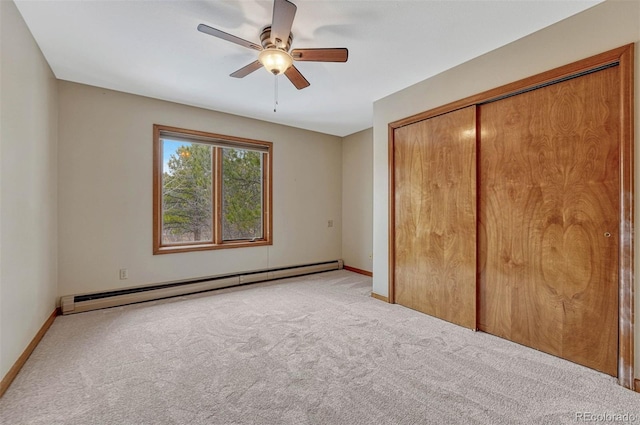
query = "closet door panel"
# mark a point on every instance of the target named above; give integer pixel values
(548, 210)
(435, 216)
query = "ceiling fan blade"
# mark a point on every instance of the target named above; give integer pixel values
(283, 13)
(320, 55)
(232, 38)
(296, 78)
(246, 70)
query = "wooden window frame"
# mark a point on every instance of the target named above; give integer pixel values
(217, 243)
(624, 58)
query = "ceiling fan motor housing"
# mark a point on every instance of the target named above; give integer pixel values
(265, 40)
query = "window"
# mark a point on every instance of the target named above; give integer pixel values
(209, 191)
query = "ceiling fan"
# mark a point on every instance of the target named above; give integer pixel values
(276, 40)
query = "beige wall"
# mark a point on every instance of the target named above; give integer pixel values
(357, 200)
(28, 190)
(601, 28)
(105, 192)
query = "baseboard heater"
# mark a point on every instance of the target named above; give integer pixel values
(78, 303)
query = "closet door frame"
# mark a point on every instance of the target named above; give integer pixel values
(623, 57)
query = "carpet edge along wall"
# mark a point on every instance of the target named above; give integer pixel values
(15, 369)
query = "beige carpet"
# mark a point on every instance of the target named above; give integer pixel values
(309, 350)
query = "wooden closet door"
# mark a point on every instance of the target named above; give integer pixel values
(549, 208)
(435, 216)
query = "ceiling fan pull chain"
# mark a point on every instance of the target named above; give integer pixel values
(275, 93)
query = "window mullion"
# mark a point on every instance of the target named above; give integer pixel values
(217, 194)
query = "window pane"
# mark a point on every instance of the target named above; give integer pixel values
(187, 207)
(241, 194)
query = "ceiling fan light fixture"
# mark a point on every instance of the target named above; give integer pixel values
(275, 61)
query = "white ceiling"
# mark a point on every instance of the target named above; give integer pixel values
(152, 48)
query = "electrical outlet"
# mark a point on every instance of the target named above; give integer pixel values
(124, 274)
(330, 223)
